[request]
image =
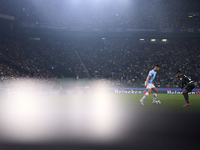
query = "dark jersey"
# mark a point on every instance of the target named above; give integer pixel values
(185, 80)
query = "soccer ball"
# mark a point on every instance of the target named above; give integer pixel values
(158, 102)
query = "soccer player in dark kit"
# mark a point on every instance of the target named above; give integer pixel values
(189, 86)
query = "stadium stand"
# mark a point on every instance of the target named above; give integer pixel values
(120, 61)
(115, 61)
(147, 14)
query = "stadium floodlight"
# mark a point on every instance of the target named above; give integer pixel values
(153, 40)
(141, 39)
(164, 40)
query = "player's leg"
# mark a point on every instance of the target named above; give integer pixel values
(185, 94)
(187, 89)
(145, 95)
(155, 94)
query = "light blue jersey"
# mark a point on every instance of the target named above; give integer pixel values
(152, 75)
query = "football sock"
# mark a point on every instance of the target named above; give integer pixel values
(186, 97)
(145, 96)
(154, 97)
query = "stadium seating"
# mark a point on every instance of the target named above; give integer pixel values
(121, 62)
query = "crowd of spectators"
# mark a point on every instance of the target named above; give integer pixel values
(114, 62)
(61, 57)
(38, 62)
(21, 60)
(127, 62)
(106, 14)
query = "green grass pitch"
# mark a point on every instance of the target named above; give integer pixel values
(169, 102)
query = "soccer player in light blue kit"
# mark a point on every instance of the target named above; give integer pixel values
(150, 85)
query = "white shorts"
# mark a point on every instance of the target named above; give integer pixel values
(150, 86)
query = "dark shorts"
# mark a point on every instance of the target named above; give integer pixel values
(189, 88)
